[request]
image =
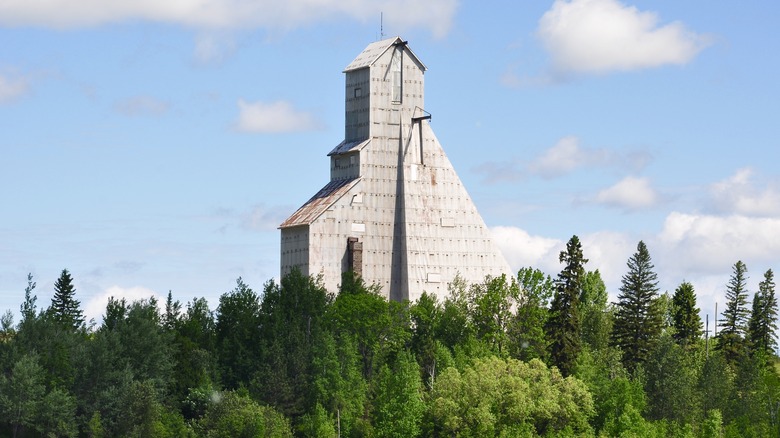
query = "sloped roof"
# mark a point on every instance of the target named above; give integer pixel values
(314, 207)
(346, 146)
(373, 51)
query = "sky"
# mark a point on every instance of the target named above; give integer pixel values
(151, 146)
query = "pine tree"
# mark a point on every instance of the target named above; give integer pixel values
(637, 319)
(563, 326)
(762, 327)
(64, 306)
(731, 338)
(685, 315)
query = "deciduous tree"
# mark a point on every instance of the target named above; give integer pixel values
(526, 329)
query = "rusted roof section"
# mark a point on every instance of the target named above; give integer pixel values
(346, 146)
(373, 51)
(314, 207)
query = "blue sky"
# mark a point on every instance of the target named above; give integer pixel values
(156, 146)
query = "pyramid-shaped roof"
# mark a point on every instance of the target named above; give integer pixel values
(373, 51)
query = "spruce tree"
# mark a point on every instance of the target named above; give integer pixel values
(762, 327)
(685, 315)
(563, 326)
(731, 337)
(637, 319)
(64, 306)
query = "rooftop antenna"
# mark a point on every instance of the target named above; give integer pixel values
(381, 26)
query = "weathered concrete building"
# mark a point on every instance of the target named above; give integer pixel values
(394, 210)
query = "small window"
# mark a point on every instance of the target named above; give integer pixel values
(358, 91)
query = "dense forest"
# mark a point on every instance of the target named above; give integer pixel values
(527, 356)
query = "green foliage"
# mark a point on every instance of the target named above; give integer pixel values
(317, 424)
(527, 338)
(712, 426)
(671, 382)
(231, 415)
(26, 405)
(762, 326)
(490, 304)
(339, 387)
(426, 315)
(608, 382)
(361, 366)
(455, 325)
(498, 397)
(65, 308)
(595, 315)
(638, 318)
(379, 328)
(194, 345)
(563, 325)
(716, 384)
(731, 337)
(291, 319)
(685, 315)
(398, 406)
(237, 332)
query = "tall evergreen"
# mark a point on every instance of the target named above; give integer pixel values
(65, 308)
(685, 315)
(637, 319)
(563, 326)
(762, 327)
(731, 337)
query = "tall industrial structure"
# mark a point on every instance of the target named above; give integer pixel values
(394, 210)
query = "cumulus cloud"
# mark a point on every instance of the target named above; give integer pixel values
(630, 193)
(12, 88)
(521, 249)
(708, 243)
(738, 194)
(606, 251)
(274, 117)
(95, 308)
(435, 15)
(564, 157)
(141, 106)
(599, 36)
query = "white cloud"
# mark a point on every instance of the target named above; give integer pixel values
(738, 194)
(630, 193)
(598, 36)
(563, 157)
(96, 307)
(141, 106)
(709, 244)
(274, 117)
(436, 15)
(608, 252)
(523, 250)
(10, 89)
(567, 155)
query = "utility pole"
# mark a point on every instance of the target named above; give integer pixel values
(707, 337)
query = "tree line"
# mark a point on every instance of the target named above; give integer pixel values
(522, 356)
